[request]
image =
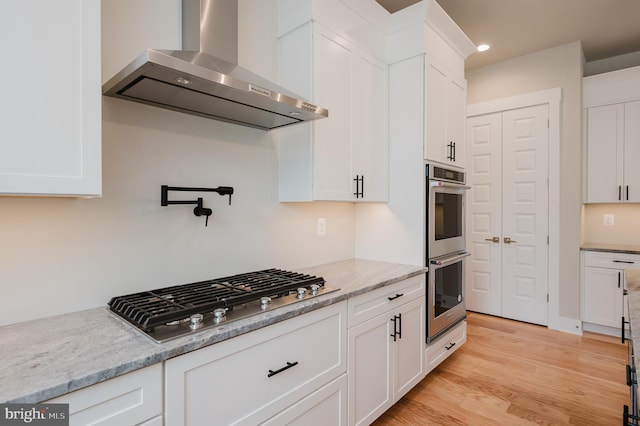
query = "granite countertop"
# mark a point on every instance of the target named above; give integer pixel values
(46, 358)
(633, 291)
(613, 248)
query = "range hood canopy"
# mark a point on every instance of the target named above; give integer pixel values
(204, 79)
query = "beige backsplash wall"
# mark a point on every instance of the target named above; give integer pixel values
(626, 227)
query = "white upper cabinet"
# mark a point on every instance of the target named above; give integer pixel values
(446, 98)
(50, 108)
(612, 137)
(343, 157)
(439, 90)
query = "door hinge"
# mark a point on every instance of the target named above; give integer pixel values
(547, 240)
(547, 297)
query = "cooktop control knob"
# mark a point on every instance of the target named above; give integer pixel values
(265, 302)
(219, 315)
(301, 292)
(314, 289)
(195, 321)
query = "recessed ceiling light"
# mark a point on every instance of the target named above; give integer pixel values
(483, 47)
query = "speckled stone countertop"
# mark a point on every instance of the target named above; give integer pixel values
(633, 289)
(49, 357)
(614, 248)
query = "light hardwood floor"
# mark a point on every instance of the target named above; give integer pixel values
(513, 373)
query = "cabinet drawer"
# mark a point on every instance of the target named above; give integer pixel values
(128, 399)
(327, 406)
(376, 302)
(250, 378)
(445, 345)
(611, 260)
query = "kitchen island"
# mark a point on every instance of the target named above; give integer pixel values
(49, 357)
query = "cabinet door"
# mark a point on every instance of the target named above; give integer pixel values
(370, 369)
(50, 123)
(456, 114)
(436, 99)
(409, 349)
(603, 296)
(605, 136)
(332, 70)
(631, 190)
(446, 100)
(370, 146)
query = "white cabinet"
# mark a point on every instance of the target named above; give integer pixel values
(386, 347)
(445, 345)
(612, 137)
(603, 285)
(129, 399)
(50, 108)
(323, 407)
(446, 105)
(269, 372)
(612, 151)
(342, 157)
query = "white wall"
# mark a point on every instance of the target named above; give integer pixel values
(62, 254)
(562, 67)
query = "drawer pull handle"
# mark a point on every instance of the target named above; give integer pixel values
(396, 296)
(288, 366)
(624, 261)
(452, 344)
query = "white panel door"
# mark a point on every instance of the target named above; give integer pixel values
(484, 223)
(525, 220)
(508, 214)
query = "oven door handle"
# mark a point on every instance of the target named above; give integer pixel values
(439, 183)
(450, 259)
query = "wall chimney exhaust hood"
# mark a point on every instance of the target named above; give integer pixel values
(204, 78)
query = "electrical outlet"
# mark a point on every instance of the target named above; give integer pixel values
(321, 226)
(608, 219)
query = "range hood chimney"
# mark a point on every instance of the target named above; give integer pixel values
(204, 78)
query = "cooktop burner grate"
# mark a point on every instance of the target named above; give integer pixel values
(166, 306)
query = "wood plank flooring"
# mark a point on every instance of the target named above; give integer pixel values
(513, 373)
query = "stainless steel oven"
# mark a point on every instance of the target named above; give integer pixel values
(445, 293)
(445, 250)
(445, 211)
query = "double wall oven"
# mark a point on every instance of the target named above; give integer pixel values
(446, 248)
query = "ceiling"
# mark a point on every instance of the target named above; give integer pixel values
(516, 27)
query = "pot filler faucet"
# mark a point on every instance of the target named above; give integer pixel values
(199, 209)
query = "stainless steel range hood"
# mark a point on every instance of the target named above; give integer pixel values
(204, 79)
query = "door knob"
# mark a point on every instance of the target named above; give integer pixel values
(493, 239)
(508, 240)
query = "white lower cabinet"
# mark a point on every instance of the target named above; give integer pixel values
(603, 284)
(386, 347)
(323, 407)
(131, 399)
(252, 378)
(440, 349)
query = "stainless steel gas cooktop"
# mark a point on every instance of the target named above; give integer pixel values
(175, 311)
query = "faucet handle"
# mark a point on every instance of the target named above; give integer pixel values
(199, 210)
